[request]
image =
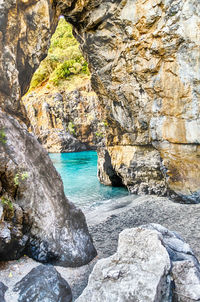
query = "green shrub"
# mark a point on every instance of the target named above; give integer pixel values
(2, 136)
(21, 176)
(99, 134)
(71, 128)
(64, 58)
(7, 203)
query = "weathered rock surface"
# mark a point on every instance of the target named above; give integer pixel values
(144, 59)
(133, 211)
(43, 283)
(69, 121)
(57, 230)
(3, 289)
(105, 223)
(25, 30)
(14, 230)
(141, 268)
(186, 276)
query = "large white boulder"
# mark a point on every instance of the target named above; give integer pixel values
(151, 264)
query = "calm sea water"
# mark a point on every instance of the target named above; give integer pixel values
(79, 174)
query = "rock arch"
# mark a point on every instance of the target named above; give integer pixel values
(141, 71)
(145, 58)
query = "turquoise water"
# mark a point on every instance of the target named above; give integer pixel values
(79, 174)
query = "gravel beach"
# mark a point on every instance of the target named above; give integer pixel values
(105, 223)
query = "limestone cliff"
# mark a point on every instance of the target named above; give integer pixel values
(66, 121)
(144, 58)
(36, 218)
(64, 111)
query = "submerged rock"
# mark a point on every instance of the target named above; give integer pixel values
(151, 264)
(42, 284)
(3, 289)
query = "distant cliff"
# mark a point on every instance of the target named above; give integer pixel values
(66, 121)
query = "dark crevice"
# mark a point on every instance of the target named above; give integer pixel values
(110, 171)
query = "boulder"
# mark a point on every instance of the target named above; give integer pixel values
(43, 284)
(186, 276)
(3, 289)
(152, 264)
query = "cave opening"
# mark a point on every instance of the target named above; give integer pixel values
(66, 117)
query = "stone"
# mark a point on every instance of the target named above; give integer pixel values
(187, 281)
(54, 230)
(14, 231)
(42, 284)
(3, 289)
(141, 268)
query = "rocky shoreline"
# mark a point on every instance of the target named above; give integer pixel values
(105, 223)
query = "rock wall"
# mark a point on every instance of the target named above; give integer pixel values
(144, 58)
(56, 230)
(66, 121)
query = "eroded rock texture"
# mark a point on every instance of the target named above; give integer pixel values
(57, 231)
(43, 283)
(152, 264)
(3, 289)
(66, 121)
(15, 225)
(144, 57)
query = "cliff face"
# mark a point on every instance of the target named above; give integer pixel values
(63, 110)
(25, 30)
(36, 218)
(144, 57)
(66, 121)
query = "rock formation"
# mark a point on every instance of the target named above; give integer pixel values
(56, 231)
(43, 283)
(66, 121)
(144, 59)
(3, 289)
(151, 264)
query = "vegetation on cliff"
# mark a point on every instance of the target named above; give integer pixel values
(64, 62)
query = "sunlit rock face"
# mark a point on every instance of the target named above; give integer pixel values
(66, 121)
(144, 57)
(25, 30)
(43, 223)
